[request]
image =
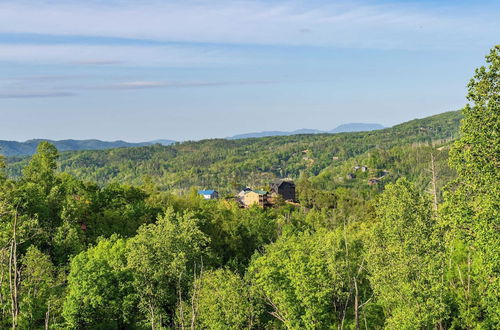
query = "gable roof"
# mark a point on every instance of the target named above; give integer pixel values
(258, 192)
(279, 182)
(206, 192)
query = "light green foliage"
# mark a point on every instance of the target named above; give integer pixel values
(100, 292)
(473, 203)
(307, 279)
(38, 282)
(2, 169)
(16, 231)
(349, 256)
(405, 258)
(40, 169)
(223, 301)
(163, 258)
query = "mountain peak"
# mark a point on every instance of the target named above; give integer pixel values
(356, 127)
(350, 127)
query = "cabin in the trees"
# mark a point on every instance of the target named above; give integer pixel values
(209, 194)
(284, 188)
(351, 176)
(255, 197)
(373, 182)
(243, 191)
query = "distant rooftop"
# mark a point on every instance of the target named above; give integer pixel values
(206, 192)
(260, 192)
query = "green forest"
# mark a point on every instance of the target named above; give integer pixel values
(120, 238)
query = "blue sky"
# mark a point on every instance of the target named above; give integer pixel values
(142, 70)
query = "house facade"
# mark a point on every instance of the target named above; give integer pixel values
(285, 189)
(255, 197)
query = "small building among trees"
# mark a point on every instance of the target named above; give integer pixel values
(209, 194)
(255, 197)
(284, 188)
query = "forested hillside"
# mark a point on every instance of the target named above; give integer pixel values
(14, 148)
(88, 242)
(226, 165)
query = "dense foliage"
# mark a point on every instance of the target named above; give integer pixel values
(27, 148)
(226, 165)
(418, 249)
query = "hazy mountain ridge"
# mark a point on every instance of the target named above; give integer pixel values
(224, 163)
(350, 127)
(26, 148)
(356, 127)
(15, 148)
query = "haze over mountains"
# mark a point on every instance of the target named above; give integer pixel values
(351, 127)
(15, 148)
(223, 164)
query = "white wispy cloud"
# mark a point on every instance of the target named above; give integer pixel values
(115, 54)
(22, 87)
(97, 62)
(176, 84)
(138, 84)
(332, 23)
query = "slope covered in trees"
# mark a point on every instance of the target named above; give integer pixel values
(398, 255)
(226, 165)
(14, 148)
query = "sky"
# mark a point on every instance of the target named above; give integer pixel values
(140, 70)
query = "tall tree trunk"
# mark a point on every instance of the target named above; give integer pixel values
(13, 275)
(47, 316)
(3, 255)
(434, 185)
(356, 304)
(152, 313)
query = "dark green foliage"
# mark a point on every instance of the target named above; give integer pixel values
(226, 164)
(13, 148)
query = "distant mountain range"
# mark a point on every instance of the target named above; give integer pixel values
(352, 127)
(14, 148)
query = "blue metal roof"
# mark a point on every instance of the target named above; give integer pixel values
(206, 192)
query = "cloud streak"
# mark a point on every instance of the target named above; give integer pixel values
(336, 23)
(74, 54)
(176, 84)
(31, 95)
(18, 90)
(97, 62)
